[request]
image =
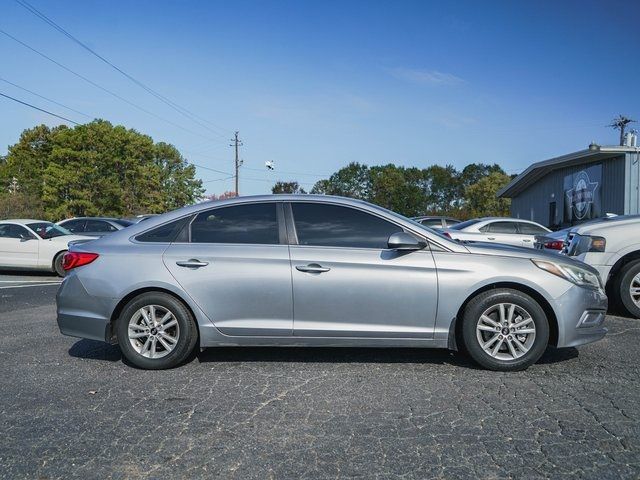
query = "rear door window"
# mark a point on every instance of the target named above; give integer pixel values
(255, 223)
(74, 226)
(531, 229)
(99, 226)
(502, 227)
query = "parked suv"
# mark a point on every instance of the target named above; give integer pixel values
(612, 246)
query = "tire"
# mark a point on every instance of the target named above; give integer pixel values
(148, 349)
(57, 264)
(627, 278)
(479, 324)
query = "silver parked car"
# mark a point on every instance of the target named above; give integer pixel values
(94, 226)
(510, 231)
(290, 270)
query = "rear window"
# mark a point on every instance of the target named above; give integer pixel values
(166, 233)
(463, 225)
(124, 223)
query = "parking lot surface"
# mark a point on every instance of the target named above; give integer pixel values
(71, 408)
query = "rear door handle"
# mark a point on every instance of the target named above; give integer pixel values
(526, 240)
(192, 263)
(312, 268)
(491, 238)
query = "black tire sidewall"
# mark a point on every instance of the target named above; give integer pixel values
(626, 276)
(485, 300)
(186, 341)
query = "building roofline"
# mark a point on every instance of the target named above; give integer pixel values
(540, 169)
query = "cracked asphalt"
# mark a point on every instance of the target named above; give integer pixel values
(71, 408)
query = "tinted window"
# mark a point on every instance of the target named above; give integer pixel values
(99, 226)
(502, 227)
(254, 223)
(432, 222)
(14, 231)
(124, 223)
(335, 226)
(466, 224)
(166, 233)
(74, 226)
(531, 229)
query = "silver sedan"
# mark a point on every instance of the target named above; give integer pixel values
(292, 270)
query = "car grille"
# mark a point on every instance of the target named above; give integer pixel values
(567, 243)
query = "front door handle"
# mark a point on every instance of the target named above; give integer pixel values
(312, 268)
(192, 263)
(526, 240)
(491, 238)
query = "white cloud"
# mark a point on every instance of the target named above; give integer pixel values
(430, 77)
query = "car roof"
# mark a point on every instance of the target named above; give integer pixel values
(90, 218)
(23, 221)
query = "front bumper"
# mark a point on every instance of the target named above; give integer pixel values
(581, 313)
(80, 314)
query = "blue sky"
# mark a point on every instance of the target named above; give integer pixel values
(315, 85)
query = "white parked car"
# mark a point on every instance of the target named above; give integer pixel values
(612, 246)
(511, 231)
(34, 245)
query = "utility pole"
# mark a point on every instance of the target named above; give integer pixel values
(620, 123)
(237, 143)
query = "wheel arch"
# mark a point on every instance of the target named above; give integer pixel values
(621, 262)
(455, 332)
(115, 315)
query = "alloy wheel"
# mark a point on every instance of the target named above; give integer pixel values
(506, 331)
(634, 289)
(153, 331)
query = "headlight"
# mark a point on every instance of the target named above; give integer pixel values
(584, 243)
(577, 275)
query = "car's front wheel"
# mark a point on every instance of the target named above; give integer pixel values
(156, 331)
(627, 286)
(505, 329)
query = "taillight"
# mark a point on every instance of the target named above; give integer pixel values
(554, 244)
(77, 259)
(446, 234)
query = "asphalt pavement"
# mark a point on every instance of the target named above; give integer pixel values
(71, 408)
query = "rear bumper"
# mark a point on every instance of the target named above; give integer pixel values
(581, 316)
(80, 314)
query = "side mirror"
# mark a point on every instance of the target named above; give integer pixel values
(405, 241)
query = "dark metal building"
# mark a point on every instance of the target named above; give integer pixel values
(573, 188)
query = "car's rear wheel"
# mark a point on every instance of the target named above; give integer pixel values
(505, 329)
(156, 331)
(57, 264)
(627, 288)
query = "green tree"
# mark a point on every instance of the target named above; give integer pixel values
(98, 169)
(481, 198)
(287, 187)
(350, 181)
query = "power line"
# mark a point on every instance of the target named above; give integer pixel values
(39, 109)
(182, 110)
(110, 92)
(209, 168)
(45, 98)
(218, 179)
(290, 173)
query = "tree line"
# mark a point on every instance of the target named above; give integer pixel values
(95, 169)
(411, 191)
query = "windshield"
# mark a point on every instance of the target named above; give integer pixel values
(48, 230)
(463, 225)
